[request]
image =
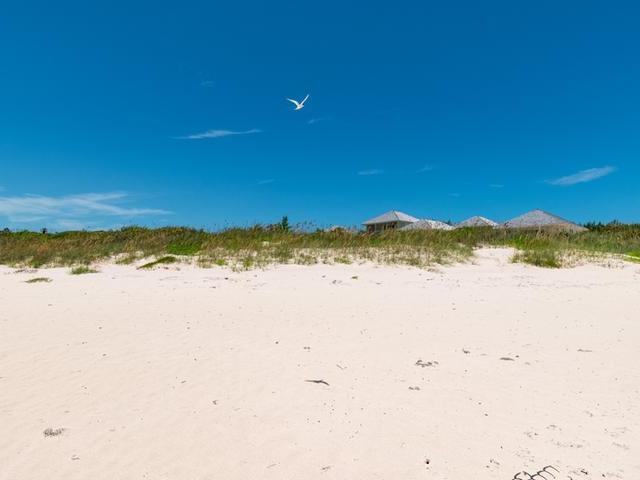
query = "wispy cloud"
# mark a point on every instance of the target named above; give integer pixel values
(582, 176)
(207, 83)
(372, 171)
(65, 211)
(218, 134)
(425, 168)
(266, 181)
(496, 185)
(456, 195)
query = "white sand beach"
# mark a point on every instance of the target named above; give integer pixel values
(473, 371)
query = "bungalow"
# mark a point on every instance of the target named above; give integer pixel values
(539, 219)
(477, 221)
(426, 224)
(388, 221)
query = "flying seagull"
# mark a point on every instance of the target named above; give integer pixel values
(299, 105)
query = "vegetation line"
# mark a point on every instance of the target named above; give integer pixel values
(259, 246)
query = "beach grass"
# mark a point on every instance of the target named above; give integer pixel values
(634, 256)
(82, 270)
(259, 246)
(38, 280)
(538, 258)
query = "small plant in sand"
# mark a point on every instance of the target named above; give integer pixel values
(342, 259)
(168, 259)
(39, 280)
(53, 432)
(82, 269)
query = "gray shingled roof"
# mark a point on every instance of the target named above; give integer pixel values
(540, 218)
(427, 224)
(477, 221)
(391, 216)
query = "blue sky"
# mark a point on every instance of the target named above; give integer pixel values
(156, 113)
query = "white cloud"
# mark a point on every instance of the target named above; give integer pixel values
(70, 211)
(207, 83)
(426, 168)
(266, 181)
(582, 176)
(372, 171)
(496, 185)
(218, 134)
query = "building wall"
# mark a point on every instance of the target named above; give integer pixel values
(381, 227)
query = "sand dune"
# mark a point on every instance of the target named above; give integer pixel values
(470, 371)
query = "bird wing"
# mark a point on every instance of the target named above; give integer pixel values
(293, 101)
(305, 99)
